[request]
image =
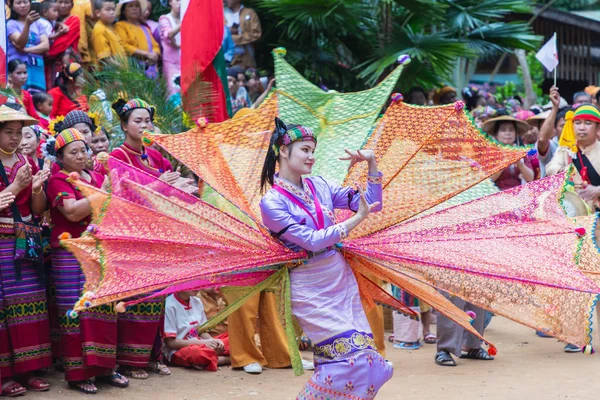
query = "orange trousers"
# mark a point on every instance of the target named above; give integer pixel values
(242, 326)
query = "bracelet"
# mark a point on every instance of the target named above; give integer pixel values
(38, 192)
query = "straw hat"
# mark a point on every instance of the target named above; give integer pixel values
(488, 126)
(242, 112)
(7, 114)
(143, 5)
(540, 117)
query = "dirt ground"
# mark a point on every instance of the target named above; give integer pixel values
(526, 367)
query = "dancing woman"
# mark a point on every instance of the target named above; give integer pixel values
(324, 292)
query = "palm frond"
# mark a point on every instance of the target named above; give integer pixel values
(312, 17)
(466, 15)
(126, 79)
(437, 50)
(503, 37)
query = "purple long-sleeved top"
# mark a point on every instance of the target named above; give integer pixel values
(296, 228)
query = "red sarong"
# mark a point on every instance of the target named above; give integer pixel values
(200, 355)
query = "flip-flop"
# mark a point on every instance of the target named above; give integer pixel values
(112, 380)
(131, 372)
(77, 386)
(407, 345)
(158, 368)
(430, 338)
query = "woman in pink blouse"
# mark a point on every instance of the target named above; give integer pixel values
(170, 25)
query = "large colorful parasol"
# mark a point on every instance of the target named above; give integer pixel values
(514, 253)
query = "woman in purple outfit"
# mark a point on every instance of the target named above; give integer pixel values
(324, 292)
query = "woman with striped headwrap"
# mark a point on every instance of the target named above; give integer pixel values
(88, 341)
(138, 347)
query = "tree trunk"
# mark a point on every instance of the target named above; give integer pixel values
(530, 97)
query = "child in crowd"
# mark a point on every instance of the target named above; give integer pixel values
(42, 102)
(49, 13)
(105, 41)
(64, 48)
(184, 346)
(238, 94)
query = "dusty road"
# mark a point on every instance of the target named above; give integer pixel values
(527, 367)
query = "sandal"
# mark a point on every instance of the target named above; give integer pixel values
(36, 384)
(13, 389)
(304, 343)
(477, 354)
(430, 338)
(113, 380)
(158, 368)
(135, 373)
(444, 359)
(407, 345)
(85, 387)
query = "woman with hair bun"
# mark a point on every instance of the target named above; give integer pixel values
(300, 212)
(138, 329)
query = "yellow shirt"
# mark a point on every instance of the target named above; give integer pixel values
(133, 38)
(83, 10)
(105, 42)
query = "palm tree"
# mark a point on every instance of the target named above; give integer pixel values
(351, 44)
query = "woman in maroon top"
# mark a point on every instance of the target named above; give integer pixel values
(88, 340)
(88, 125)
(139, 341)
(137, 116)
(506, 130)
(25, 329)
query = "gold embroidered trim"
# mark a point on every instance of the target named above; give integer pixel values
(343, 346)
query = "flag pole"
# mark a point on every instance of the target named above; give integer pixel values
(556, 47)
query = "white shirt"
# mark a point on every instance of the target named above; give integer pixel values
(48, 27)
(182, 320)
(233, 17)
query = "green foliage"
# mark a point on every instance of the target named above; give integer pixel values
(125, 79)
(351, 44)
(505, 92)
(573, 5)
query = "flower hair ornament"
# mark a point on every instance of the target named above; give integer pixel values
(96, 120)
(53, 129)
(284, 135)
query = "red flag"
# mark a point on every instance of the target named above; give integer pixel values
(202, 29)
(3, 46)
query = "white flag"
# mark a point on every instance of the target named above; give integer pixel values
(548, 54)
